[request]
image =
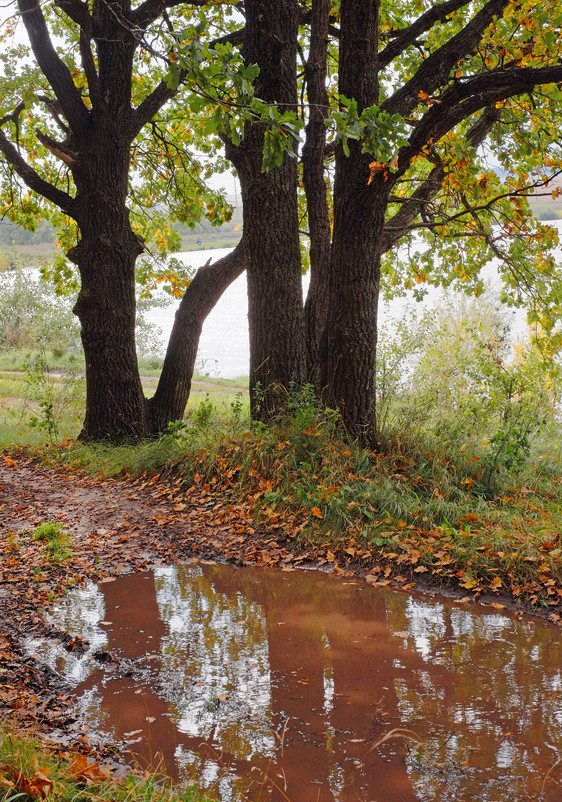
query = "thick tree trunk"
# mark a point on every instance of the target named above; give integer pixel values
(105, 255)
(319, 223)
(115, 405)
(275, 307)
(171, 396)
(347, 354)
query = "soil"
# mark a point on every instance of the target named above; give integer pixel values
(116, 526)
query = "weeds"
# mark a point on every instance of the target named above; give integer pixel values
(57, 542)
(409, 506)
(28, 771)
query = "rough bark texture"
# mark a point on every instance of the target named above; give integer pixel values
(275, 308)
(319, 224)
(347, 355)
(106, 254)
(209, 283)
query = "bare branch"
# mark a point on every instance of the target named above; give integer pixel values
(58, 149)
(54, 69)
(407, 36)
(33, 180)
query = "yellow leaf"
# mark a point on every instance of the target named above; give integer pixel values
(496, 583)
(316, 512)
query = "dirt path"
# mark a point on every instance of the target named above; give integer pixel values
(116, 526)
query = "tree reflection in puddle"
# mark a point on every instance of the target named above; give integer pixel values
(272, 685)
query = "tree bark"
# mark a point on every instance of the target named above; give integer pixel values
(106, 305)
(319, 223)
(171, 396)
(275, 307)
(347, 354)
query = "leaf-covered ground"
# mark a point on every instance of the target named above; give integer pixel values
(115, 526)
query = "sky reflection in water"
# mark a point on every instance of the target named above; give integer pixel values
(260, 678)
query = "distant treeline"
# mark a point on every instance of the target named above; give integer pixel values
(14, 235)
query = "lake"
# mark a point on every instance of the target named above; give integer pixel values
(224, 347)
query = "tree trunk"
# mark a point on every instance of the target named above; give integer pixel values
(275, 307)
(105, 255)
(115, 405)
(347, 354)
(171, 396)
(319, 223)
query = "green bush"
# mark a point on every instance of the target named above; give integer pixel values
(457, 380)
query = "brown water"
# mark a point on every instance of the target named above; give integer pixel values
(268, 685)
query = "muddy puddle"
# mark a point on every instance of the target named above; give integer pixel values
(300, 686)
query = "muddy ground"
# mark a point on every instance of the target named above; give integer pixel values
(116, 526)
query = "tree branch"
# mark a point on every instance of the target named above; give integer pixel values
(435, 71)
(150, 10)
(75, 10)
(402, 221)
(58, 149)
(234, 38)
(53, 68)
(407, 36)
(144, 113)
(89, 66)
(468, 96)
(33, 180)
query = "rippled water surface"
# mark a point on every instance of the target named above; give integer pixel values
(268, 685)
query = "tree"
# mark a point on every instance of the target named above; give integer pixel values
(441, 119)
(80, 116)
(270, 208)
(416, 110)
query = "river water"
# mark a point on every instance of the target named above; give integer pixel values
(300, 686)
(224, 346)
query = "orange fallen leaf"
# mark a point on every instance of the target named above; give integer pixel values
(316, 512)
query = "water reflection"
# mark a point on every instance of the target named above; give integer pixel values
(272, 685)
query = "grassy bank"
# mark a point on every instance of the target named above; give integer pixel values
(405, 514)
(465, 489)
(28, 771)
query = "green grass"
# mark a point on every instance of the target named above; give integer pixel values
(407, 505)
(29, 771)
(412, 497)
(57, 542)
